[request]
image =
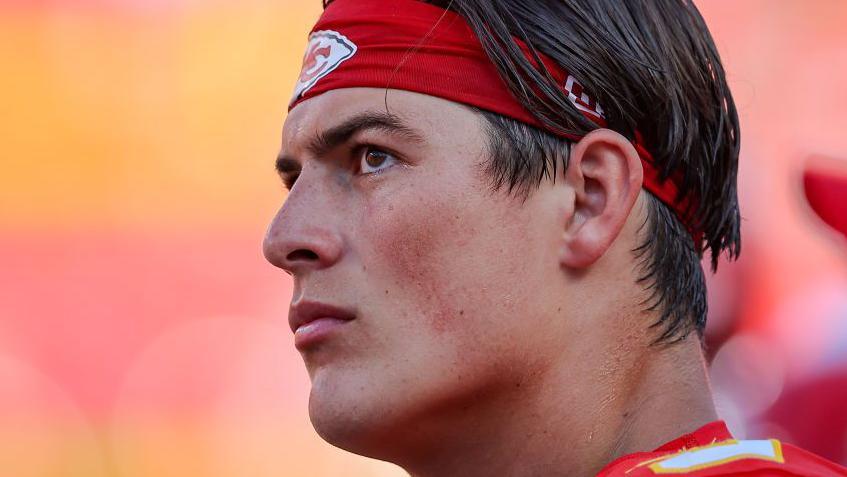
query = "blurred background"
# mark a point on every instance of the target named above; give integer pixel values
(143, 334)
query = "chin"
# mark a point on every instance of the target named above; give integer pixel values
(352, 415)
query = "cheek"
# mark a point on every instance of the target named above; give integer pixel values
(411, 240)
(452, 262)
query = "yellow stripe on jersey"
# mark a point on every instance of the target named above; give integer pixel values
(713, 455)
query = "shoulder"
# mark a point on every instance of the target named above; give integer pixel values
(750, 458)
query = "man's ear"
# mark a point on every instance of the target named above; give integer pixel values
(605, 173)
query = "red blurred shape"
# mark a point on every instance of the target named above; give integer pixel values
(814, 414)
(825, 184)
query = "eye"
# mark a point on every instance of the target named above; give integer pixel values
(375, 160)
(289, 180)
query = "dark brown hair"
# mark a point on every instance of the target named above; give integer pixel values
(654, 67)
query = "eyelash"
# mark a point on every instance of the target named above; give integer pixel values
(361, 152)
(289, 179)
(358, 154)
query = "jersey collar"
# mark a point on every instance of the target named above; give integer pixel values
(712, 432)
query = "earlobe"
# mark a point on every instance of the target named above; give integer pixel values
(605, 173)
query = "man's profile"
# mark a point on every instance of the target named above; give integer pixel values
(496, 217)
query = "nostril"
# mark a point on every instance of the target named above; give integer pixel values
(301, 254)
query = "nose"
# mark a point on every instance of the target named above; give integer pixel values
(301, 237)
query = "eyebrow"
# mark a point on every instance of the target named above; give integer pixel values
(333, 137)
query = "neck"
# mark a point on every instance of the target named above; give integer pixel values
(620, 400)
(671, 398)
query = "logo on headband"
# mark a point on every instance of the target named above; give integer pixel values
(327, 49)
(580, 99)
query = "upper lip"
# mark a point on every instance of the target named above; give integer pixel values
(305, 311)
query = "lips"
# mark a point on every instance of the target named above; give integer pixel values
(306, 312)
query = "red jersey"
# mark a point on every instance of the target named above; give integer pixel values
(712, 451)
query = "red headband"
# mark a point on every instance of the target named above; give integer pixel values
(414, 46)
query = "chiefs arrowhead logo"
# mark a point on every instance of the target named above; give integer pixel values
(327, 49)
(581, 100)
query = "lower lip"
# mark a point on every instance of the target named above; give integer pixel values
(315, 331)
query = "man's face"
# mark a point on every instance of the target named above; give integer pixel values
(453, 287)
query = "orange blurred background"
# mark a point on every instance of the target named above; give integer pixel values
(141, 331)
